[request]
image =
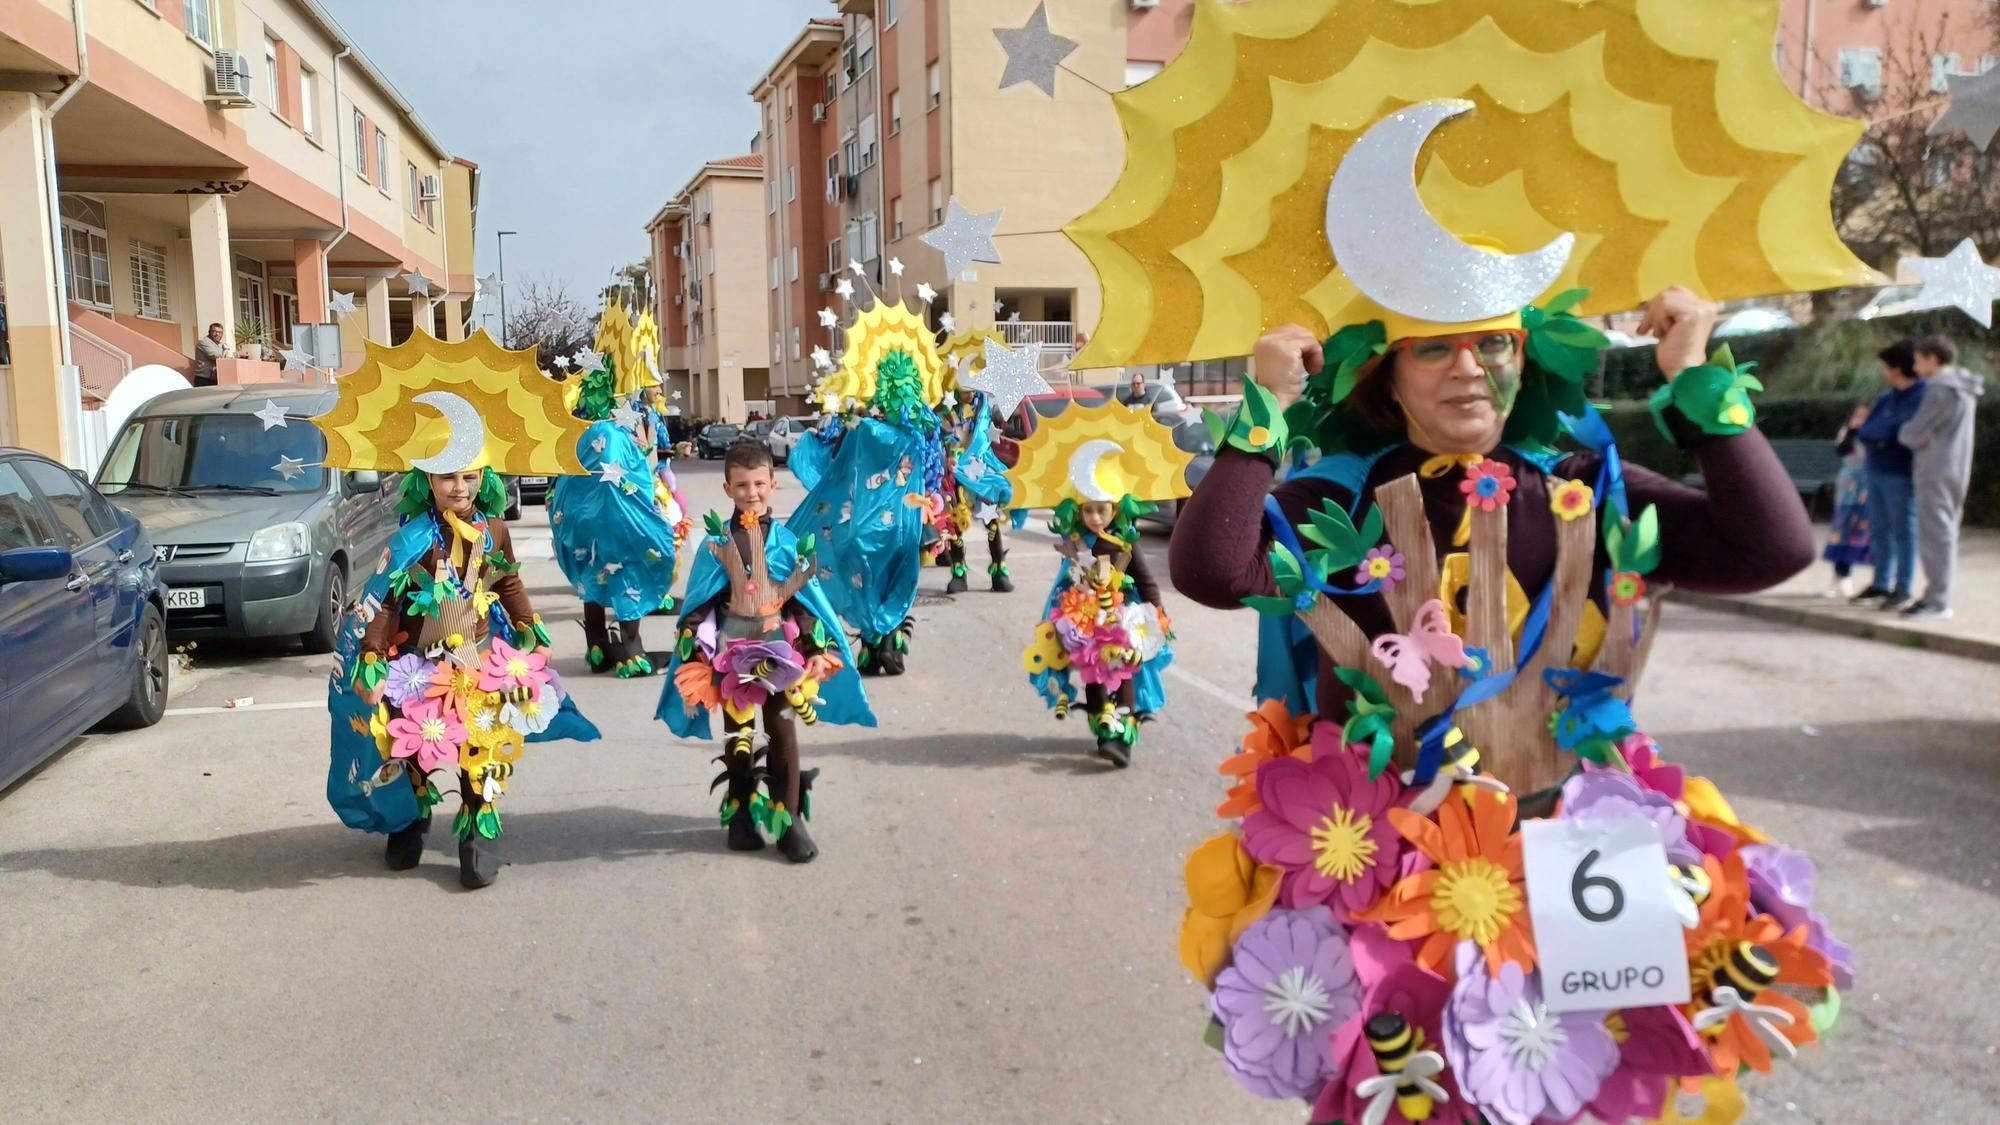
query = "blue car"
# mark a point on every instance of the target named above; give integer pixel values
(83, 632)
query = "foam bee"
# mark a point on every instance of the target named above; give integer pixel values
(1749, 969)
(802, 706)
(1062, 706)
(1395, 1044)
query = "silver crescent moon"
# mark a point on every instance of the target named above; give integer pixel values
(1083, 469)
(465, 433)
(1395, 252)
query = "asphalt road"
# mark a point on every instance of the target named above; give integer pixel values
(988, 935)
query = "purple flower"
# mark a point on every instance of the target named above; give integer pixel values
(1781, 885)
(1598, 792)
(1290, 984)
(1384, 564)
(750, 672)
(1514, 1058)
(1071, 636)
(409, 675)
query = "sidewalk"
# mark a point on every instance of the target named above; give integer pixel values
(1973, 630)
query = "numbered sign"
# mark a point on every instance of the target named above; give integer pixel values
(1606, 930)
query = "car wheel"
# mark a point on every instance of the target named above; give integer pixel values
(148, 700)
(512, 513)
(326, 631)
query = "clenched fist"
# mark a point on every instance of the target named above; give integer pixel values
(1681, 321)
(1282, 359)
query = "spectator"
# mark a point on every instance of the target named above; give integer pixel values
(1847, 543)
(1892, 521)
(1940, 439)
(207, 350)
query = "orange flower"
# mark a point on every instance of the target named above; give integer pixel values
(1476, 890)
(1726, 923)
(1274, 733)
(696, 681)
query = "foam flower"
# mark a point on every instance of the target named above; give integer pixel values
(1642, 754)
(1045, 652)
(1475, 892)
(1515, 1058)
(1655, 1046)
(1488, 485)
(1705, 803)
(427, 732)
(1326, 823)
(508, 669)
(1418, 997)
(696, 683)
(749, 671)
(1227, 891)
(1599, 792)
(1570, 499)
(1274, 733)
(1725, 924)
(451, 684)
(1382, 564)
(528, 716)
(1104, 663)
(1781, 885)
(409, 675)
(1626, 588)
(1290, 983)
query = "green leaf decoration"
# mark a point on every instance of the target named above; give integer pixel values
(1330, 526)
(500, 564)
(1565, 301)
(1724, 356)
(1216, 424)
(1275, 607)
(1362, 685)
(777, 820)
(1211, 1036)
(461, 825)
(1285, 570)
(488, 822)
(1643, 548)
(716, 528)
(808, 545)
(1370, 535)
(1613, 534)
(428, 799)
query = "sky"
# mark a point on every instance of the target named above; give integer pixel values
(584, 116)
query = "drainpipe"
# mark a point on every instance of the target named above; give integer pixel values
(70, 395)
(339, 174)
(1806, 56)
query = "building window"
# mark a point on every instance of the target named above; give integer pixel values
(790, 98)
(416, 194)
(382, 161)
(1138, 70)
(895, 112)
(199, 19)
(868, 141)
(835, 260)
(774, 271)
(867, 62)
(86, 251)
(832, 91)
(287, 312)
(271, 99)
(793, 268)
(308, 103)
(896, 219)
(771, 197)
(871, 236)
(937, 202)
(934, 78)
(149, 280)
(795, 341)
(791, 183)
(1942, 67)
(360, 145)
(850, 150)
(250, 290)
(1861, 69)
(889, 13)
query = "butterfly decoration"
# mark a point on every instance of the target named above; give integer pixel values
(1591, 718)
(1430, 641)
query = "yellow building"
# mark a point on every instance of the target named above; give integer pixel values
(169, 164)
(714, 309)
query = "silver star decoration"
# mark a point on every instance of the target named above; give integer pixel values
(855, 266)
(612, 473)
(340, 304)
(626, 417)
(491, 283)
(1974, 108)
(1014, 317)
(418, 283)
(925, 293)
(986, 511)
(587, 360)
(948, 322)
(677, 396)
(1010, 375)
(896, 266)
(822, 359)
(562, 362)
(291, 468)
(296, 358)
(999, 307)
(844, 288)
(963, 238)
(1960, 279)
(827, 319)
(597, 444)
(1033, 52)
(272, 414)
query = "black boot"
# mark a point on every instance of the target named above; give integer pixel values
(597, 639)
(478, 858)
(406, 844)
(958, 584)
(740, 772)
(795, 843)
(1001, 583)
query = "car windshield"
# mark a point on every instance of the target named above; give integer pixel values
(720, 432)
(217, 452)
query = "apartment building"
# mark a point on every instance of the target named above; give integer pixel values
(1876, 46)
(714, 296)
(168, 164)
(808, 197)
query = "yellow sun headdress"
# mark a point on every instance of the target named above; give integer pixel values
(1105, 452)
(440, 407)
(1619, 146)
(890, 364)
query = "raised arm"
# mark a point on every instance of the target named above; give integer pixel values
(1142, 575)
(1748, 532)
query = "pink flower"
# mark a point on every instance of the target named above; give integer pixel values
(1415, 995)
(1383, 564)
(1655, 1046)
(1326, 824)
(1106, 660)
(1653, 771)
(1488, 485)
(507, 668)
(427, 732)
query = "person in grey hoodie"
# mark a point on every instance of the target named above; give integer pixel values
(1940, 436)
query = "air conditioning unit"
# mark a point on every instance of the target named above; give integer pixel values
(431, 188)
(232, 80)
(819, 112)
(825, 282)
(851, 184)
(1142, 5)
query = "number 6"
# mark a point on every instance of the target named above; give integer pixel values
(1581, 882)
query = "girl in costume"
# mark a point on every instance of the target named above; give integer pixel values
(976, 489)
(1457, 611)
(1847, 542)
(760, 642)
(444, 663)
(1100, 468)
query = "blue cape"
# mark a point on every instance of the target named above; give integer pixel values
(988, 482)
(595, 523)
(841, 699)
(1151, 689)
(869, 535)
(355, 759)
(810, 457)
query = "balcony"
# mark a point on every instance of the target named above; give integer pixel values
(1055, 336)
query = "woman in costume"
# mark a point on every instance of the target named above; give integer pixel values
(1458, 612)
(444, 665)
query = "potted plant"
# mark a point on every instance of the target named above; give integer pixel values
(252, 337)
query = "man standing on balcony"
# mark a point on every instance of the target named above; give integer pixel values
(207, 350)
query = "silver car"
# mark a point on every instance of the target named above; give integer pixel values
(254, 537)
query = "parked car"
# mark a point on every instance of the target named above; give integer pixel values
(785, 434)
(715, 439)
(83, 631)
(1191, 436)
(255, 538)
(1021, 423)
(527, 490)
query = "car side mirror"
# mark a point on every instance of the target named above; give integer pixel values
(364, 480)
(35, 564)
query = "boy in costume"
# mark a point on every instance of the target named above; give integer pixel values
(761, 642)
(1457, 612)
(444, 663)
(1100, 468)
(976, 489)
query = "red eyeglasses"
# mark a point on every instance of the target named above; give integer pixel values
(1490, 349)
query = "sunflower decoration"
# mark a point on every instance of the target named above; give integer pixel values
(1475, 889)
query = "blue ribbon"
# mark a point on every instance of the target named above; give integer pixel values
(1431, 735)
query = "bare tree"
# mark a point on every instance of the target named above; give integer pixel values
(632, 284)
(549, 319)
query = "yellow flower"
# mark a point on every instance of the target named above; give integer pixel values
(1227, 891)
(1705, 803)
(1570, 499)
(1721, 1103)
(1736, 415)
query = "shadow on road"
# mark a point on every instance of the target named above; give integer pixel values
(291, 858)
(1068, 751)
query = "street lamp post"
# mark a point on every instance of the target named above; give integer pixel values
(501, 239)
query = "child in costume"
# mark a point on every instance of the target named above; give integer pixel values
(760, 641)
(444, 663)
(1100, 468)
(1456, 611)
(616, 529)
(1847, 541)
(976, 490)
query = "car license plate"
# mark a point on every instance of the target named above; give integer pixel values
(193, 597)
(534, 480)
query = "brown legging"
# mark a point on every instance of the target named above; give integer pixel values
(595, 631)
(783, 758)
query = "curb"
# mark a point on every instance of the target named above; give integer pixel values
(1889, 632)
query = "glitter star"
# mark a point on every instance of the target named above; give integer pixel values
(1010, 375)
(1033, 52)
(291, 468)
(562, 362)
(418, 283)
(827, 319)
(296, 358)
(271, 414)
(964, 237)
(612, 473)
(855, 267)
(925, 293)
(948, 322)
(626, 417)
(844, 288)
(1974, 108)
(340, 304)
(822, 359)
(1960, 280)
(587, 360)
(896, 266)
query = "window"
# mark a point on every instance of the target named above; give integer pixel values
(774, 271)
(777, 346)
(286, 314)
(850, 150)
(871, 237)
(1861, 69)
(792, 270)
(250, 290)
(74, 507)
(360, 144)
(416, 194)
(199, 19)
(795, 341)
(791, 183)
(867, 62)
(1943, 66)
(21, 521)
(895, 112)
(791, 96)
(889, 13)
(934, 78)
(771, 197)
(271, 100)
(896, 219)
(835, 260)
(937, 202)
(1138, 70)
(832, 92)
(149, 280)
(308, 103)
(382, 161)
(86, 251)
(868, 141)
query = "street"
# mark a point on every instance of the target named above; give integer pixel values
(989, 934)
